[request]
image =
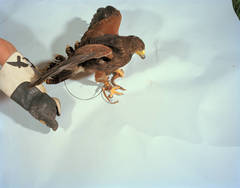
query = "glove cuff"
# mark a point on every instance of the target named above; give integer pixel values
(15, 71)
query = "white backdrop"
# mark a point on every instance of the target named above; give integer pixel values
(177, 124)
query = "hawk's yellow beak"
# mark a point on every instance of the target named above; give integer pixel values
(141, 54)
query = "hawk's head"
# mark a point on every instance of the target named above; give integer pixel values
(137, 46)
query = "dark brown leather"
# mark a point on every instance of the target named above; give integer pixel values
(40, 105)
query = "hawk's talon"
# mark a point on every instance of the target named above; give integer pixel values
(107, 97)
(119, 87)
(113, 91)
(122, 88)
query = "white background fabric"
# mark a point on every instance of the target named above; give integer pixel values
(177, 124)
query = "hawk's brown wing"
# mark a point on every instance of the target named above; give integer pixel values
(105, 21)
(83, 54)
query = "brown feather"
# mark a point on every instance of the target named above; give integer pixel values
(87, 52)
(105, 21)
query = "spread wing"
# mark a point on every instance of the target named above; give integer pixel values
(236, 7)
(105, 21)
(83, 54)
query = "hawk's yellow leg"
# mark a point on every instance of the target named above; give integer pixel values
(117, 74)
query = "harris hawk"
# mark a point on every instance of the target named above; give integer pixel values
(100, 51)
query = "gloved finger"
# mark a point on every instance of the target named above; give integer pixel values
(58, 105)
(52, 124)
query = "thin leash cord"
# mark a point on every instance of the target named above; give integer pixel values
(76, 97)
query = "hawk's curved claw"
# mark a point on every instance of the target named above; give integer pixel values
(113, 91)
(119, 87)
(107, 97)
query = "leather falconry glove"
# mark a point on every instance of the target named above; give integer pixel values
(15, 77)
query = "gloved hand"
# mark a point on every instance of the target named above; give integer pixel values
(15, 77)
